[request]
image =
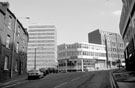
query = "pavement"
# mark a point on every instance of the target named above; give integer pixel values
(13, 80)
(123, 78)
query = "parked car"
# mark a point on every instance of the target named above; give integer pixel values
(44, 70)
(35, 74)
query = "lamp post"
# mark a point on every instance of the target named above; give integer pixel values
(106, 48)
(35, 59)
(66, 65)
(13, 45)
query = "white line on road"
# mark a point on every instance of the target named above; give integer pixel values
(10, 82)
(75, 79)
(60, 85)
(14, 84)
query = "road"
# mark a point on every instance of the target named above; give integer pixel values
(94, 79)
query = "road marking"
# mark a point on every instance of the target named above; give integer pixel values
(60, 85)
(10, 82)
(75, 79)
(14, 84)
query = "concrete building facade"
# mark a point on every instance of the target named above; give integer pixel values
(81, 57)
(42, 50)
(13, 44)
(114, 43)
(127, 30)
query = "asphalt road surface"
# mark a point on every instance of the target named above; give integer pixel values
(94, 79)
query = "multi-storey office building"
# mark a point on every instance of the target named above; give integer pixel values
(127, 30)
(114, 44)
(13, 44)
(42, 46)
(81, 57)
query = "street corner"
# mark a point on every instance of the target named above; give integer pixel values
(123, 78)
(113, 81)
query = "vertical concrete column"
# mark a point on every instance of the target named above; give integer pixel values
(66, 65)
(105, 64)
(110, 64)
(82, 64)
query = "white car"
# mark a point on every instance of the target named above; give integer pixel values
(35, 74)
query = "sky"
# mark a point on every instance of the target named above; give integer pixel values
(73, 19)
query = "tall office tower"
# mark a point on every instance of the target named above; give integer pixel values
(42, 47)
(114, 44)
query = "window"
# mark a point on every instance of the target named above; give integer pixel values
(18, 31)
(9, 22)
(23, 38)
(16, 64)
(23, 49)
(17, 46)
(8, 41)
(6, 63)
(133, 21)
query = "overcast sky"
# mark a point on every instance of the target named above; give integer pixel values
(74, 19)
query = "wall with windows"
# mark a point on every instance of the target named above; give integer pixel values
(127, 30)
(42, 46)
(13, 44)
(81, 56)
(114, 43)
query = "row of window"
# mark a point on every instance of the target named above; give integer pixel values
(41, 30)
(110, 43)
(41, 56)
(8, 41)
(31, 49)
(41, 37)
(6, 64)
(8, 23)
(41, 34)
(117, 44)
(81, 46)
(41, 41)
(40, 60)
(41, 52)
(40, 45)
(117, 50)
(116, 55)
(76, 53)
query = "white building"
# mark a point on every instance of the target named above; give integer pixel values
(81, 57)
(42, 47)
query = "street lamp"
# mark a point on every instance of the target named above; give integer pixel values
(35, 59)
(106, 48)
(66, 61)
(13, 47)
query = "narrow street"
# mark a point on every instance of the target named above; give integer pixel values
(95, 79)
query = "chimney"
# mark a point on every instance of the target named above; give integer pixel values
(5, 4)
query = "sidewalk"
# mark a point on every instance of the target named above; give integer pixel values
(13, 80)
(124, 78)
